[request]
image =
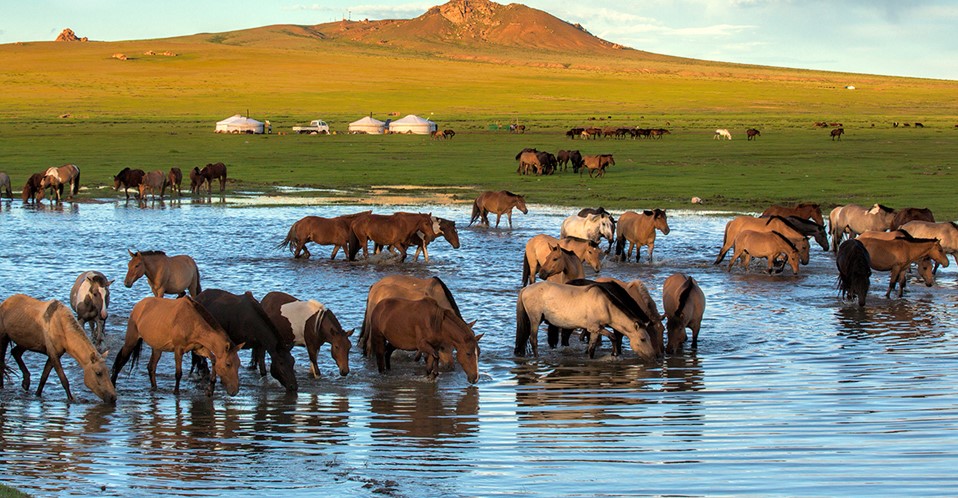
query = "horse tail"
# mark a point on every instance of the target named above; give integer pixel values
(135, 356)
(352, 245)
(76, 182)
(526, 270)
(289, 240)
(620, 245)
(523, 326)
(722, 253)
(476, 211)
(196, 277)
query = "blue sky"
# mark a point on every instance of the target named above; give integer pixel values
(902, 38)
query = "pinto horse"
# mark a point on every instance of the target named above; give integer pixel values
(213, 171)
(497, 203)
(128, 178)
(166, 274)
(310, 324)
(56, 178)
(90, 298)
(854, 270)
(319, 230)
(48, 327)
(181, 326)
(639, 230)
(591, 227)
(684, 304)
(442, 226)
(394, 230)
(540, 246)
(805, 210)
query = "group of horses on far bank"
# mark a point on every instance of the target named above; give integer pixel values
(156, 182)
(533, 161)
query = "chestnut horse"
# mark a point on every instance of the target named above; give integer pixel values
(196, 180)
(639, 230)
(854, 270)
(128, 178)
(684, 304)
(791, 227)
(175, 180)
(752, 134)
(498, 203)
(48, 327)
(394, 230)
(166, 274)
(90, 298)
(213, 171)
(837, 132)
(309, 324)
(446, 228)
(805, 210)
(770, 245)
(896, 257)
(319, 230)
(596, 163)
(181, 326)
(32, 190)
(56, 178)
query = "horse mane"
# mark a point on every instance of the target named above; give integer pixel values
(789, 242)
(122, 171)
(151, 253)
(619, 296)
(449, 297)
(511, 194)
(205, 314)
(911, 238)
(648, 212)
(885, 208)
(258, 308)
(798, 220)
(953, 224)
(807, 205)
(684, 295)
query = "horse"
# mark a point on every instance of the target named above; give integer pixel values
(591, 307)
(175, 180)
(684, 304)
(245, 321)
(438, 135)
(90, 299)
(575, 157)
(596, 162)
(181, 326)
(425, 326)
(854, 219)
(837, 132)
(806, 210)
(592, 227)
(5, 186)
(639, 293)
(896, 257)
(528, 161)
(562, 159)
(539, 248)
(639, 230)
(854, 270)
(319, 230)
(498, 203)
(448, 134)
(657, 133)
(926, 270)
(213, 171)
(559, 265)
(770, 245)
(166, 274)
(792, 228)
(56, 178)
(722, 133)
(416, 238)
(309, 324)
(153, 181)
(48, 327)
(446, 228)
(394, 230)
(196, 180)
(32, 190)
(128, 178)
(904, 215)
(946, 233)
(752, 133)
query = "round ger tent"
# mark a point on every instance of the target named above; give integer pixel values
(412, 124)
(239, 124)
(369, 125)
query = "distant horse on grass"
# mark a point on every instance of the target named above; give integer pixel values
(596, 164)
(837, 133)
(722, 133)
(752, 133)
(497, 203)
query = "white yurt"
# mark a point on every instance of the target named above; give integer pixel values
(368, 125)
(412, 124)
(239, 124)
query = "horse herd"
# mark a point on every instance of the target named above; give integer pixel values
(594, 132)
(534, 161)
(157, 181)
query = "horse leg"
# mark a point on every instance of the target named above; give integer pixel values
(552, 335)
(651, 248)
(388, 355)
(47, 368)
(509, 216)
(17, 354)
(55, 361)
(311, 351)
(499, 217)
(261, 362)
(566, 333)
(335, 250)
(151, 369)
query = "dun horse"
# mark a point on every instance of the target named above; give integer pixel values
(946, 233)
(896, 256)
(497, 203)
(770, 245)
(596, 164)
(639, 230)
(854, 219)
(49, 328)
(90, 298)
(153, 181)
(166, 274)
(684, 304)
(539, 247)
(310, 324)
(854, 270)
(793, 228)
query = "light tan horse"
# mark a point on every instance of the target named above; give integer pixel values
(319, 230)
(539, 247)
(770, 245)
(497, 203)
(946, 233)
(853, 219)
(806, 210)
(639, 230)
(684, 304)
(640, 293)
(153, 181)
(897, 255)
(596, 164)
(49, 327)
(56, 178)
(166, 274)
(768, 225)
(181, 326)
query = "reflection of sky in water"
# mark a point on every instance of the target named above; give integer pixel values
(790, 392)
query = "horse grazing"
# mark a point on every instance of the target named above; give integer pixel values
(32, 190)
(497, 203)
(153, 181)
(48, 327)
(128, 178)
(319, 230)
(896, 256)
(394, 230)
(722, 133)
(904, 215)
(805, 210)
(854, 270)
(56, 178)
(946, 233)
(684, 304)
(196, 180)
(592, 307)
(854, 219)
(422, 325)
(175, 181)
(770, 245)
(539, 249)
(310, 324)
(639, 230)
(90, 298)
(213, 171)
(5, 186)
(752, 133)
(592, 227)
(166, 274)
(181, 326)
(837, 132)
(245, 322)
(596, 163)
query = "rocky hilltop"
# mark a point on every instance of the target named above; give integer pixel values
(67, 35)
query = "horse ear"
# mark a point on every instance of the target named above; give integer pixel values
(110, 282)
(237, 347)
(350, 333)
(105, 354)
(131, 253)
(479, 337)
(472, 323)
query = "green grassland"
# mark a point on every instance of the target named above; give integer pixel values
(154, 112)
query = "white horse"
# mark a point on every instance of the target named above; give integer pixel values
(592, 227)
(722, 133)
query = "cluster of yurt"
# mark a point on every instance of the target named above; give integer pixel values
(240, 124)
(409, 124)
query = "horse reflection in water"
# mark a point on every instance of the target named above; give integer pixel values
(424, 414)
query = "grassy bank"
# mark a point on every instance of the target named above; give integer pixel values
(8, 492)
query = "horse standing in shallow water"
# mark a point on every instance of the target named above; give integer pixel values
(175, 181)
(56, 178)
(896, 256)
(497, 203)
(49, 328)
(854, 270)
(309, 324)
(639, 230)
(32, 190)
(684, 304)
(319, 230)
(166, 274)
(90, 298)
(854, 219)
(210, 172)
(128, 178)
(5, 186)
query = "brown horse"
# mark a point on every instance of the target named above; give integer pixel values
(788, 227)
(896, 256)
(196, 180)
(309, 324)
(497, 203)
(395, 231)
(153, 181)
(904, 215)
(422, 325)
(319, 230)
(837, 132)
(752, 133)
(181, 326)
(639, 230)
(5, 187)
(166, 274)
(56, 178)
(213, 171)
(175, 180)
(805, 210)
(854, 270)
(926, 269)
(128, 178)
(854, 219)
(946, 233)
(559, 266)
(90, 298)
(770, 245)
(539, 247)
(246, 322)
(529, 162)
(596, 163)
(447, 228)
(684, 304)
(32, 190)
(49, 328)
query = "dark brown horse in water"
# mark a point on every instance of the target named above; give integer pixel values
(246, 322)
(196, 180)
(128, 178)
(394, 231)
(310, 324)
(805, 210)
(319, 230)
(684, 304)
(497, 203)
(854, 270)
(166, 274)
(175, 180)
(49, 328)
(904, 215)
(32, 190)
(214, 171)
(181, 326)
(56, 178)
(447, 228)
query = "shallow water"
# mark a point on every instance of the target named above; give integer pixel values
(789, 392)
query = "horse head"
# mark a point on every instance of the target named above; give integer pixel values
(329, 328)
(226, 366)
(448, 230)
(97, 377)
(521, 204)
(467, 351)
(661, 221)
(554, 262)
(134, 269)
